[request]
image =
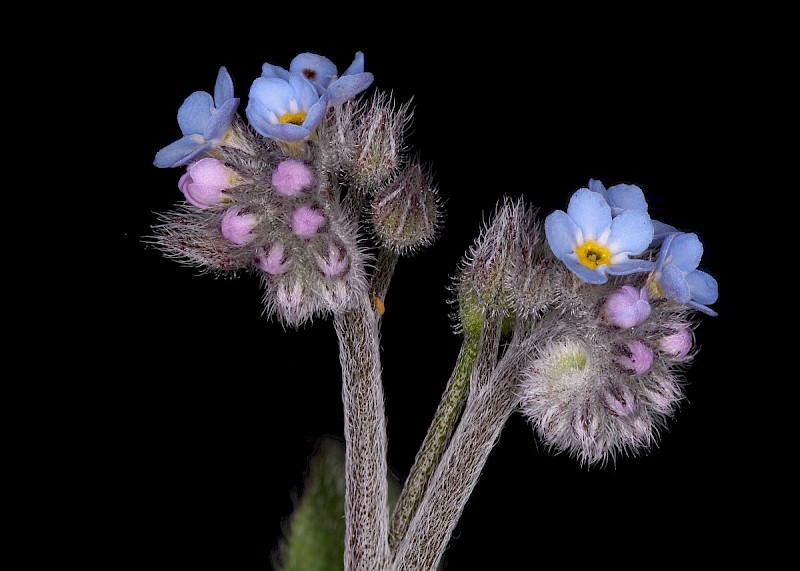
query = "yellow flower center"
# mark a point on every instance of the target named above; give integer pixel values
(293, 118)
(591, 254)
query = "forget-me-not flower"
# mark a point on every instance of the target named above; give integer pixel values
(285, 109)
(622, 197)
(676, 275)
(204, 121)
(323, 74)
(593, 243)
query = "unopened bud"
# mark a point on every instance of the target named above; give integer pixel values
(487, 265)
(290, 301)
(205, 181)
(677, 344)
(335, 262)
(307, 221)
(406, 213)
(379, 142)
(238, 225)
(273, 260)
(627, 307)
(619, 400)
(291, 177)
(639, 358)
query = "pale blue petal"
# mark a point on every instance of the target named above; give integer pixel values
(663, 253)
(272, 94)
(357, 66)
(673, 283)
(195, 113)
(257, 117)
(269, 70)
(288, 132)
(631, 232)
(597, 186)
(180, 152)
(560, 231)
(316, 113)
(700, 307)
(347, 87)
(660, 231)
(319, 70)
(686, 252)
(704, 287)
(596, 276)
(221, 121)
(223, 89)
(625, 267)
(590, 212)
(627, 197)
(303, 91)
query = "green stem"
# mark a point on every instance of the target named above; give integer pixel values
(457, 472)
(455, 394)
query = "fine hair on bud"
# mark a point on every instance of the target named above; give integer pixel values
(379, 127)
(278, 221)
(406, 213)
(487, 266)
(603, 391)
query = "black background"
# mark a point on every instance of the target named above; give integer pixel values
(221, 408)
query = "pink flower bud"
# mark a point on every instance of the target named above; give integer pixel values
(273, 260)
(238, 225)
(639, 360)
(204, 182)
(663, 395)
(619, 400)
(335, 263)
(307, 221)
(291, 177)
(627, 307)
(677, 344)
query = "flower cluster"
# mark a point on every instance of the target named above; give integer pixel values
(602, 229)
(269, 194)
(583, 322)
(611, 378)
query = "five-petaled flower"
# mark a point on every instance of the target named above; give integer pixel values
(323, 74)
(594, 244)
(676, 275)
(622, 197)
(288, 109)
(204, 121)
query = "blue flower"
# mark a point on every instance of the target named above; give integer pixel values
(204, 120)
(593, 243)
(622, 197)
(285, 109)
(676, 275)
(322, 72)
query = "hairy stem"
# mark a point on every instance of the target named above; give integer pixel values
(436, 439)
(366, 509)
(487, 356)
(457, 474)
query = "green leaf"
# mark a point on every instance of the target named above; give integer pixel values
(315, 540)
